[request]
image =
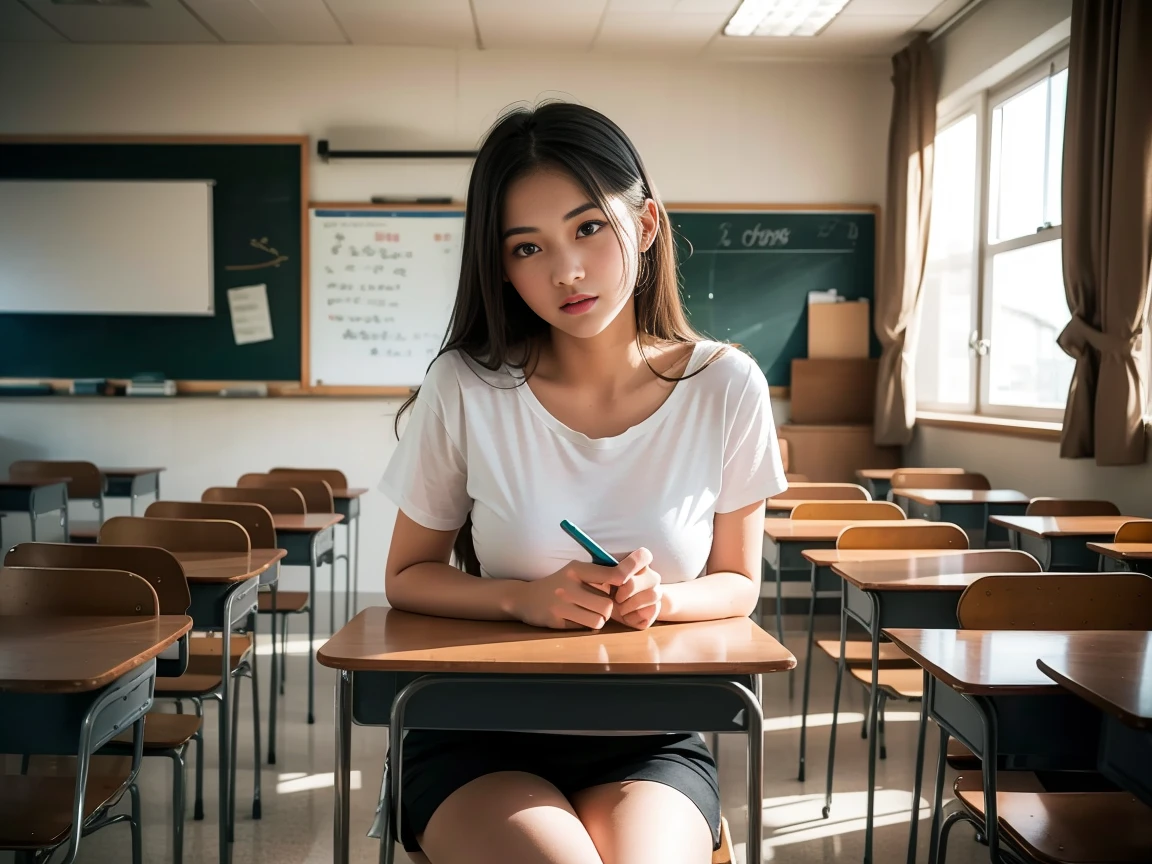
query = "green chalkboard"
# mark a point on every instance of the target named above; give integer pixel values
(745, 275)
(257, 196)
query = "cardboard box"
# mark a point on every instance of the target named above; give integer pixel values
(833, 391)
(833, 454)
(839, 330)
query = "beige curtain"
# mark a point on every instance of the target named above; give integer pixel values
(1107, 212)
(911, 146)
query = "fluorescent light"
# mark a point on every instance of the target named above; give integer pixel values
(782, 17)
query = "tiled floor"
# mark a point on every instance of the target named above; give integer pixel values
(297, 799)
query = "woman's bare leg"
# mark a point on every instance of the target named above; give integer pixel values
(641, 821)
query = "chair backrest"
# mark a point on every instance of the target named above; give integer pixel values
(284, 500)
(862, 510)
(1134, 532)
(796, 478)
(785, 453)
(29, 591)
(825, 492)
(905, 479)
(940, 535)
(153, 564)
(1070, 507)
(254, 518)
(1057, 601)
(175, 535)
(335, 479)
(84, 479)
(317, 493)
(927, 470)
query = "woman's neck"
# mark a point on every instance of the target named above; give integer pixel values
(607, 362)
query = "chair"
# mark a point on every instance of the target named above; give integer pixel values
(861, 510)
(1134, 532)
(796, 478)
(908, 479)
(824, 492)
(85, 483)
(284, 500)
(1070, 507)
(1040, 826)
(205, 678)
(335, 479)
(165, 735)
(42, 809)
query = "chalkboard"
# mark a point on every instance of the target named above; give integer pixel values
(745, 274)
(258, 232)
(382, 288)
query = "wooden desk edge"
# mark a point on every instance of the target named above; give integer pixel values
(337, 518)
(712, 668)
(1125, 717)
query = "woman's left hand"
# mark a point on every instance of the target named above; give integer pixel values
(638, 600)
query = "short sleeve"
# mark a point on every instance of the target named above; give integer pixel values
(427, 476)
(753, 470)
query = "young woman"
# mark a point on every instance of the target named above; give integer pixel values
(572, 387)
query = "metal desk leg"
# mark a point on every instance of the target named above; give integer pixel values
(312, 620)
(938, 794)
(274, 685)
(918, 780)
(836, 701)
(355, 550)
(755, 781)
(342, 780)
(807, 675)
(224, 732)
(991, 825)
(873, 717)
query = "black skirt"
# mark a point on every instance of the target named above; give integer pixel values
(436, 764)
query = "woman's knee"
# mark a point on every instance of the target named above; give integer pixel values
(507, 816)
(640, 821)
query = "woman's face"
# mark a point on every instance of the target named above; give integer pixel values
(562, 256)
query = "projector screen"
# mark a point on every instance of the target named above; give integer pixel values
(106, 247)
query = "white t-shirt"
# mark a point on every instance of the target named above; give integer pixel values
(480, 442)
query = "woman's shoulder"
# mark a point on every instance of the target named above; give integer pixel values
(726, 365)
(454, 374)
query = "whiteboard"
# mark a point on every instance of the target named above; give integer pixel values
(106, 247)
(382, 288)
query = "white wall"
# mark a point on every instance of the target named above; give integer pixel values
(755, 132)
(995, 42)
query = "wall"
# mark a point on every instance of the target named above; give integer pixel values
(996, 41)
(757, 132)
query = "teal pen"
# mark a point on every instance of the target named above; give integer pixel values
(599, 556)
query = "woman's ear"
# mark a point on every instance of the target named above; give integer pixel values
(649, 224)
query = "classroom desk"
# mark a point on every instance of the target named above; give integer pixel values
(347, 502)
(1060, 542)
(37, 498)
(131, 483)
(878, 481)
(1132, 556)
(913, 591)
(968, 508)
(983, 688)
(309, 541)
(415, 671)
(223, 588)
(1115, 677)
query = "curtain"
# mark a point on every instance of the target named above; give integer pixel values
(911, 143)
(1107, 234)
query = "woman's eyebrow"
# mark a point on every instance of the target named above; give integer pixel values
(571, 214)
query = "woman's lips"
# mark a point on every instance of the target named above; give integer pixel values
(580, 304)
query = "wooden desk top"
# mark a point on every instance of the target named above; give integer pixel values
(832, 557)
(876, 473)
(309, 523)
(962, 496)
(32, 483)
(130, 472)
(1115, 676)
(382, 639)
(989, 662)
(779, 529)
(950, 571)
(227, 566)
(1124, 551)
(69, 654)
(350, 492)
(1064, 526)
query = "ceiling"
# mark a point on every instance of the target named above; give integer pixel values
(866, 28)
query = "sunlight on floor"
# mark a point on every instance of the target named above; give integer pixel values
(289, 783)
(781, 724)
(295, 646)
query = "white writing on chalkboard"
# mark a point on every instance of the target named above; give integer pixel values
(382, 291)
(765, 236)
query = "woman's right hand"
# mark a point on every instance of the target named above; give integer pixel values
(574, 596)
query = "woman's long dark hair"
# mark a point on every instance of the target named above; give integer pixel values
(491, 323)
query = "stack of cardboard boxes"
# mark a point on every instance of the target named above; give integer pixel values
(834, 397)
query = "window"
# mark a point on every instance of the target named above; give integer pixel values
(993, 299)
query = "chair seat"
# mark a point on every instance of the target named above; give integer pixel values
(164, 731)
(897, 683)
(1066, 827)
(211, 646)
(286, 601)
(725, 854)
(188, 685)
(83, 532)
(36, 809)
(960, 758)
(857, 652)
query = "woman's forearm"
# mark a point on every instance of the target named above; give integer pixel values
(440, 589)
(716, 595)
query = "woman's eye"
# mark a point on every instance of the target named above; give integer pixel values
(589, 228)
(525, 249)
